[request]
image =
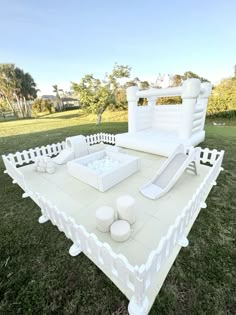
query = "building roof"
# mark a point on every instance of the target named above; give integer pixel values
(48, 97)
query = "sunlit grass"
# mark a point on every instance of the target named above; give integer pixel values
(57, 120)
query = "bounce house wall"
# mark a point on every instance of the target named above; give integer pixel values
(198, 120)
(144, 117)
(166, 117)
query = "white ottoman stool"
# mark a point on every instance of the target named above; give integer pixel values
(41, 169)
(120, 231)
(125, 207)
(50, 167)
(105, 216)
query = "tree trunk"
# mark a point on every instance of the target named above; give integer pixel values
(99, 118)
(9, 104)
(8, 101)
(19, 106)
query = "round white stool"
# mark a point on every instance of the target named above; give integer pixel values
(120, 230)
(105, 216)
(125, 207)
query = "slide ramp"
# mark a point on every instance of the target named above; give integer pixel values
(170, 172)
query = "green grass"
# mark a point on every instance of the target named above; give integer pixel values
(37, 275)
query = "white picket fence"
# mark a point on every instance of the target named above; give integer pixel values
(177, 232)
(27, 156)
(101, 137)
(137, 279)
(14, 172)
(100, 253)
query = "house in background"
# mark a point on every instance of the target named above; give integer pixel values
(48, 97)
(70, 102)
(65, 103)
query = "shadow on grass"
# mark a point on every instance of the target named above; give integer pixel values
(65, 116)
(7, 119)
(55, 115)
(11, 144)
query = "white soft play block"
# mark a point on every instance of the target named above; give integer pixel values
(125, 207)
(105, 216)
(120, 231)
(41, 169)
(78, 145)
(75, 147)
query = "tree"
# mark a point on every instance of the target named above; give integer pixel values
(190, 74)
(3, 105)
(17, 88)
(133, 82)
(223, 98)
(7, 84)
(118, 72)
(117, 75)
(96, 95)
(41, 105)
(176, 80)
(144, 85)
(25, 91)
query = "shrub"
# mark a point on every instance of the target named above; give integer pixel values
(42, 105)
(223, 99)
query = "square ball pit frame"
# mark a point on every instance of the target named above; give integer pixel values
(79, 169)
(142, 283)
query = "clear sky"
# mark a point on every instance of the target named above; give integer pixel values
(59, 41)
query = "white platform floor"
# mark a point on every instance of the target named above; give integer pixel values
(154, 217)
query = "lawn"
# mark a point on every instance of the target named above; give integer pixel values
(38, 276)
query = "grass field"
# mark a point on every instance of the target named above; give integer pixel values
(37, 275)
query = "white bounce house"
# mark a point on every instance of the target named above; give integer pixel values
(160, 129)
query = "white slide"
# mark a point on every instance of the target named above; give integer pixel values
(171, 171)
(64, 156)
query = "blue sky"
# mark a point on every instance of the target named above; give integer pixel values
(60, 41)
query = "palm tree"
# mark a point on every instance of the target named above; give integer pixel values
(58, 100)
(17, 87)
